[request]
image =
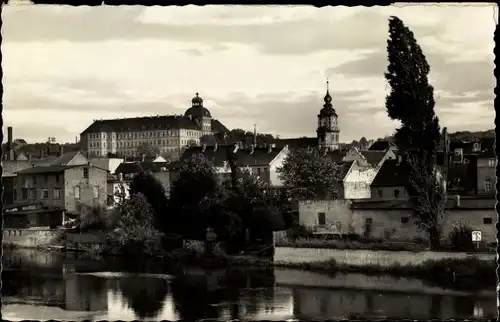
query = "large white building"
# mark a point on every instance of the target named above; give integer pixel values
(168, 134)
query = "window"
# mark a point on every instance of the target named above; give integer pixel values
(396, 193)
(96, 192)
(492, 163)
(34, 180)
(24, 193)
(46, 178)
(488, 185)
(44, 194)
(321, 219)
(487, 221)
(86, 173)
(405, 220)
(77, 192)
(57, 178)
(14, 195)
(476, 147)
(57, 193)
(380, 193)
(32, 194)
(258, 172)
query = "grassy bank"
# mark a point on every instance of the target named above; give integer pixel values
(352, 244)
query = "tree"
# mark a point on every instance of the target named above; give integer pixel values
(147, 150)
(154, 192)
(135, 233)
(411, 101)
(197, 200)
(310, 174)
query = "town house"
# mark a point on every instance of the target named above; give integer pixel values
(62, 186)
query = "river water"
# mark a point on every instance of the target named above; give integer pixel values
(44, 286)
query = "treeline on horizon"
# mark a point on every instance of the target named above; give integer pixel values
(247, 137)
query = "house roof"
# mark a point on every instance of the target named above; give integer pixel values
(136, 167)
(65, 158)
(388, 175)
(244, 157)
(11, 167)
(346, 165)
(296, 143)
(373, 157)
(487, 147)
(51, 169)
(380, 145)
(149, 123)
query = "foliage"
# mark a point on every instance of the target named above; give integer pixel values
(461, 237)
(351, 244)
(310, 174)
(154, 192)
(197, 200)
(411, 102)
(92, 217)
(147, 150)
(135, 233)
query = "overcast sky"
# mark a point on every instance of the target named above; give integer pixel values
(65, 66)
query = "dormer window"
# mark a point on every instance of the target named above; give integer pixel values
(476, 147)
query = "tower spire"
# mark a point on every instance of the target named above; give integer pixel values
(327, 86)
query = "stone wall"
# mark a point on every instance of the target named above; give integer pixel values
(31, 237)
(393, 224)
(364, 257)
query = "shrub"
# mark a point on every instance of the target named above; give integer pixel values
(461, 237)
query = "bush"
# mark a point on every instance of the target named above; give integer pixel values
(461, 237)
(350, 244)
(92, 217)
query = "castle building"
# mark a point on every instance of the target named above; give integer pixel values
(328, 129)
(167, 134)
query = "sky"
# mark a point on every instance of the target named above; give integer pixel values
(66, 66)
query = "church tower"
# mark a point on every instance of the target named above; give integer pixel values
(328, 128)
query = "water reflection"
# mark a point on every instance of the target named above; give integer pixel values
(50, 286)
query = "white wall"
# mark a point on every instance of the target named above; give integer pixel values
(274, 179)
(358, 180)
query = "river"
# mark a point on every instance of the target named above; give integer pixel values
(44, 286)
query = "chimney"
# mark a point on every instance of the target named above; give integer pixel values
(236, 147)
(215, 146)
(203, 148)
(255, 134)
(10, 147)
(61, 150)
(252, 148)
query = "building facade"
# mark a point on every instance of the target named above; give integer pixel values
(167, 134)
(62, 186)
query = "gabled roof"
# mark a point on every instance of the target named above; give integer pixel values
(373, 157)
(380, 145)
(66, 158)
(11, 167)
(388, 175)
(345, 167)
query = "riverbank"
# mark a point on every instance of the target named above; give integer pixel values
(464, 272)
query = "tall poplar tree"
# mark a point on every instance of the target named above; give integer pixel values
(411, 102)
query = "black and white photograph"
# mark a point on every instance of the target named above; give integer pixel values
(244, 162)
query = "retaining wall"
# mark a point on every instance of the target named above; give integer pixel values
(31, 237)
(364, 257)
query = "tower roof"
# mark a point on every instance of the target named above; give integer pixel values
(197, 110)
(327, 109)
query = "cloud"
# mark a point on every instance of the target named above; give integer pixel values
(454, 81)
(318, 30)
